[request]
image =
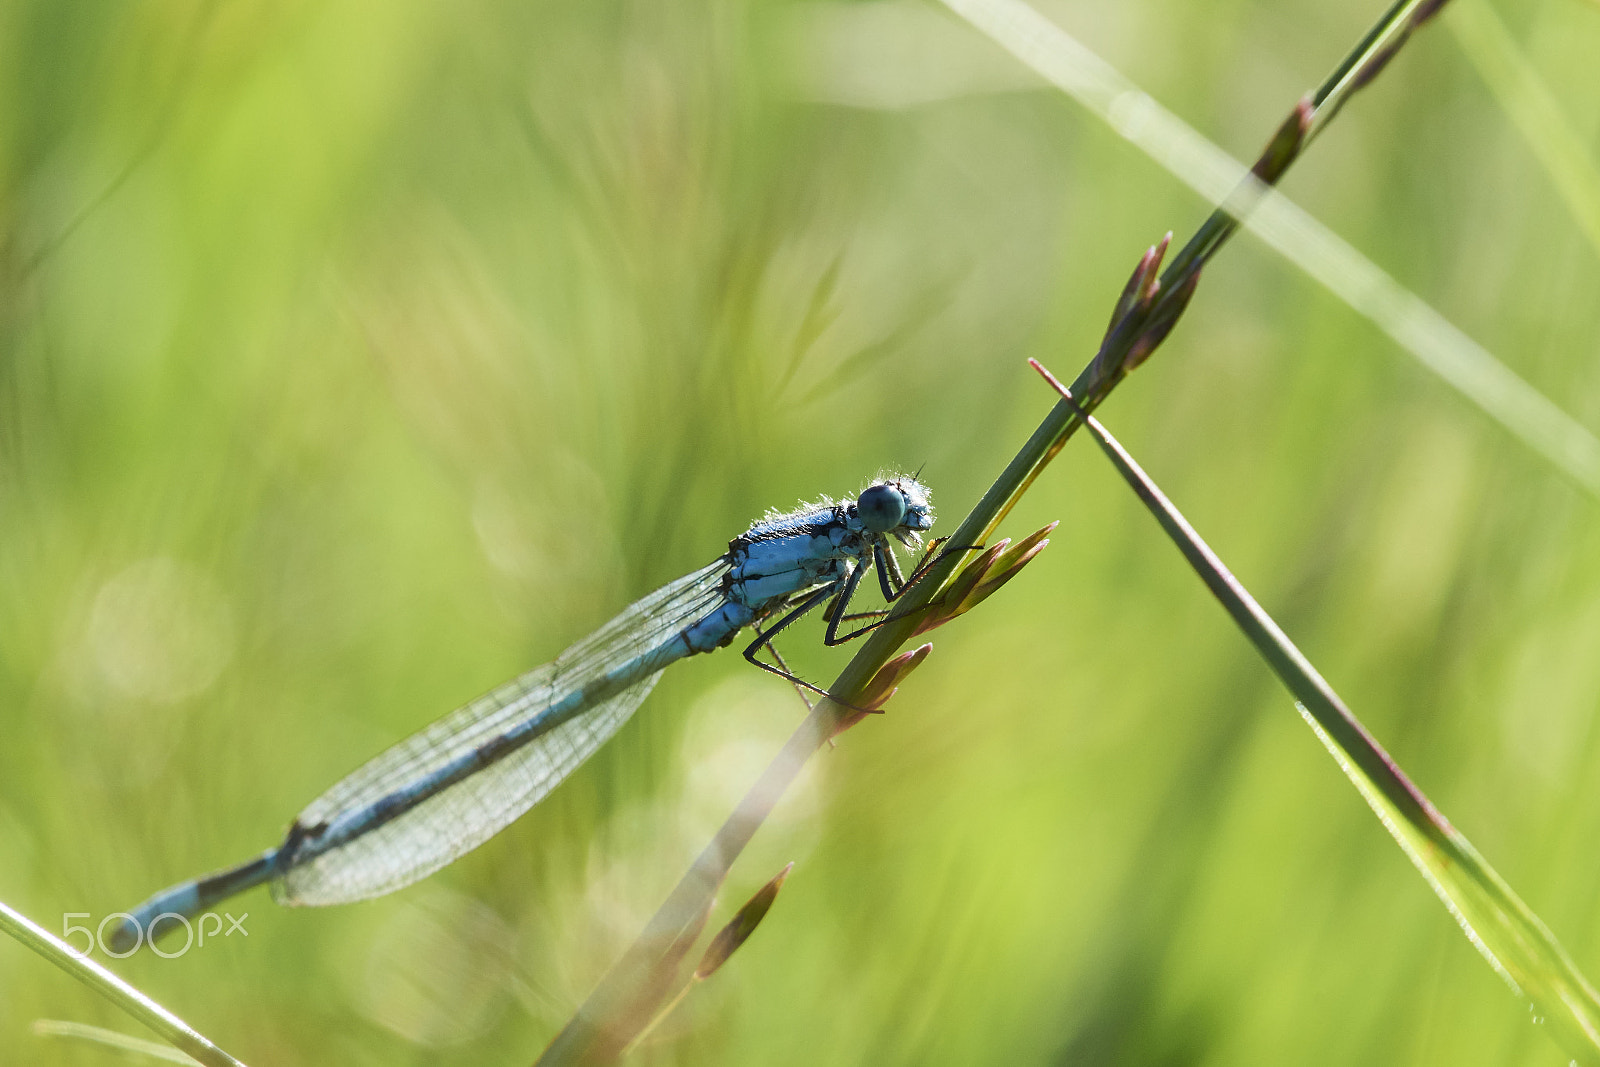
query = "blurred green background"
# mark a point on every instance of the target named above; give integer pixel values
(357, 356)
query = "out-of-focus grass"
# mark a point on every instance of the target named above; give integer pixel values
(402, 344)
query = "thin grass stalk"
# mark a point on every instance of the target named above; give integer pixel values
(172, 1029)
(1417, 328)
(1523, 94)
(1304, 123)
(626, 998)
(1509, 935)
(113, 1039)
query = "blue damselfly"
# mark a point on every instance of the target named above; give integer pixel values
(445, 790)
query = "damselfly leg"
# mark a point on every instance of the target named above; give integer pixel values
(777, 658)
(894, 587)
(764, 640)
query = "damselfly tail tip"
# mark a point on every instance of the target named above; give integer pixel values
(124, 937)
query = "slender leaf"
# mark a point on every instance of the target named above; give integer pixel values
(1519, 946)
(180, 1034)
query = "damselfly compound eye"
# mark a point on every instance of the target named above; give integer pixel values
(881, 508)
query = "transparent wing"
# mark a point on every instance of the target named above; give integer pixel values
(459, 819)
(462, 815)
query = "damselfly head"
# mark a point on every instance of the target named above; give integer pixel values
(897, 506)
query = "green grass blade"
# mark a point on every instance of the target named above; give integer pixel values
(1523, 94)
(99, 1035)
(1516, 943)
(1288, 229)
(627, 994)
(174, 1030)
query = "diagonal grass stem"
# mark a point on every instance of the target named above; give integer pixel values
(629, 994)
(174, 1030)
(1514, 940)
